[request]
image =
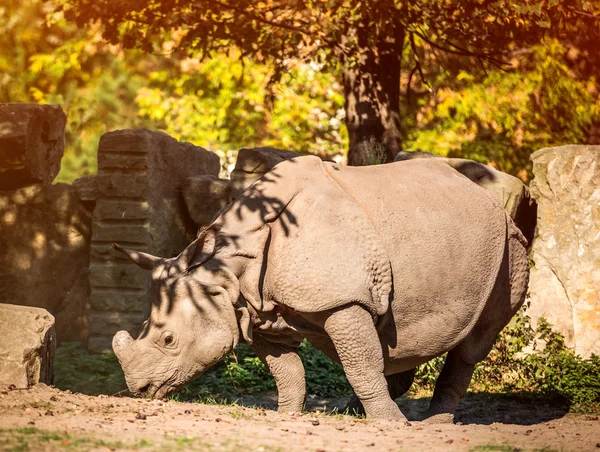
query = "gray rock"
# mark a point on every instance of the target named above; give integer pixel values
(253, 163)
(27, 347)
(205, 196)
(45, 235)
(87, 190)
(32, 143)
(564, 285)
(510, 191)
(138, 203)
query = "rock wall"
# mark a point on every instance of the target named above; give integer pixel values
(139, 205)
(45, 235)
(565, 279)
(27, 347)
(205, 196)
(32, 143)
(44, 230)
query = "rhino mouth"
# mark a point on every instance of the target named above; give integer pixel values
(153, 391)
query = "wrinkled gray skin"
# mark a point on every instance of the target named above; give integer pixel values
(382, 268)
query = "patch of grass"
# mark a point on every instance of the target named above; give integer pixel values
(80, 371)
(243, 373)
(31, 438)
(505, 448)
(495, 447)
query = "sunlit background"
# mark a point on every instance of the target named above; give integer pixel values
(547, 95)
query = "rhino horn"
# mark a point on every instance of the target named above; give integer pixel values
(144, 260)
(124, 347)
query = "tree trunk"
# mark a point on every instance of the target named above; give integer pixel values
(372, 98)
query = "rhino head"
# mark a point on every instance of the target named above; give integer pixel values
(193, 322)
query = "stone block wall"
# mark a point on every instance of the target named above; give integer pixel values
(139, 206)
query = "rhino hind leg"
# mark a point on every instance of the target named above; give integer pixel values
(450, 387)
(506, 299)
(398, 385)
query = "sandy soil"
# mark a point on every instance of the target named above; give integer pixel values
(44, 418)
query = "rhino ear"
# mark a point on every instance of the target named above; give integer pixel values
(144, 260)
(199, 251)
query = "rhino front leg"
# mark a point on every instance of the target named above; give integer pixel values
(398, 385)
(287, 369)
(450, 386)
(356, 342)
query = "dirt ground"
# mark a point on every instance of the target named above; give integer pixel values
(45, 418)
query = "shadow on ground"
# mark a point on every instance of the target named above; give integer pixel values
(475, 408)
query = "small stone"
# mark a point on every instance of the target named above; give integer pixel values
(315, 422)
(449, 441)
(140, 416)
(407, 424)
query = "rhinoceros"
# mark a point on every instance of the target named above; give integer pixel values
(381, 267)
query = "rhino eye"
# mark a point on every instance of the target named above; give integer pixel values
(168, 339)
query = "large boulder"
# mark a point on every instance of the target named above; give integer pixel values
(32, 143)
(27, 347)
(509, 190)
(139, 203)
(253, 163)
(204, 196)
(564, 285)
(45, 235)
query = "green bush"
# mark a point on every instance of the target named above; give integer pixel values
(548, 369)
(552, 371)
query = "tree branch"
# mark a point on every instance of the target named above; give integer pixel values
(411, 37)
(461, 51)
(272, 23)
